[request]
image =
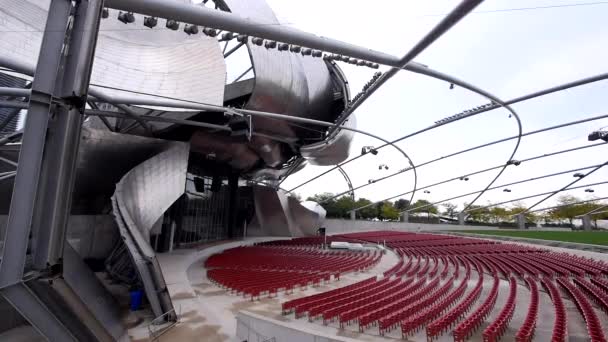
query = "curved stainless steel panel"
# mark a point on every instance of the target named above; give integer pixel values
(290, 83)
(277, 214)
(333, 151)
(141, 198)
(157, 61)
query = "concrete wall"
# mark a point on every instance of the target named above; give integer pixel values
(337, 226)
(253, 327)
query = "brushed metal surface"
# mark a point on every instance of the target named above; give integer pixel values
(290, 83)
(128, 56)
(277, 214)
(141, 198)
(150, 188)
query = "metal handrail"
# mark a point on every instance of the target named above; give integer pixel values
(154, 335)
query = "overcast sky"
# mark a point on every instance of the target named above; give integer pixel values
(506, 53)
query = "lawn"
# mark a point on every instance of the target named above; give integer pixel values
(595, 238)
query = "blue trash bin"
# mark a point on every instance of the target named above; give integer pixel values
(136, 299)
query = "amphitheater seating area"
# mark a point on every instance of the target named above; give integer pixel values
(268, 268)
(438, 287)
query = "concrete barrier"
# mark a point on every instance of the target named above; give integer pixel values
(254, 327)
(338, 226)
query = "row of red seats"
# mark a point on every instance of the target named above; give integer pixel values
(348, 313)
(425, 299)
(466, 328)
(526, 331)
(394, 286)
(440, 305)
(601, 283)
(560, 324)
(451, 318)
(345, 297)
(361, 314)
(497, 328)
(255, 283)
(336, 312)
(594, 328)
(595, 293)
(291, 304)
(387, 307)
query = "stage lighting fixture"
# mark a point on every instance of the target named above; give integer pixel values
(126, 17)
(317, 53)
(257, 41)
(172, 24)
(191, 29)
(598, 135)
(150, 22)
(283, 47)
(270, 44)
(227, 36)
(295, 48)
(211, 32)
(241, 38)
(451, 85)
(105, 13)
(306, 52)
(369, 149)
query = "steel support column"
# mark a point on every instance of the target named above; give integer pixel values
(461, 217)
(28, 172)
(521, 221)
(587, 222)
(45, 174)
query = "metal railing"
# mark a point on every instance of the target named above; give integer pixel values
(156, 328)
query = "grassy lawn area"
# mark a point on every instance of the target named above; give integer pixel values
(595, 238)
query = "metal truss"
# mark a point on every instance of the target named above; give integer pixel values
(482, 146)
(567, 187)
(531, 196)
(348, 182)
(501, 186)
(486, 170)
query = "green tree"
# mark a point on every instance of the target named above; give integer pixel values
(424, 206)
(567, 210)
(519, 207)
(344, 205)
(499, 214)
(450, 209)
(388, 211)
(365, 213)
(401, 204)
(478, 214)
(327, 203)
